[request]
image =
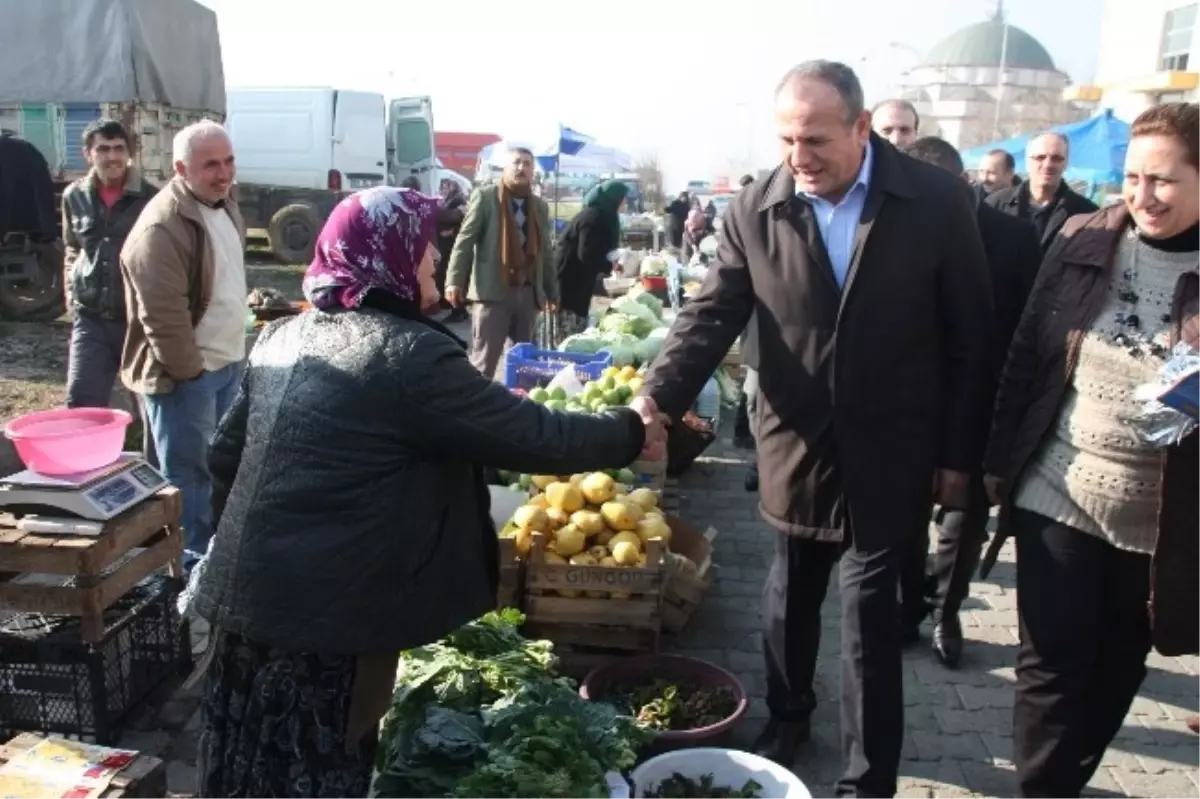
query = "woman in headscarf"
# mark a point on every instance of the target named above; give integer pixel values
(353, 515)
(694, 232)
(585, 254)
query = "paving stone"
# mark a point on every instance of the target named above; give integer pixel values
(182, 778)
(1174, 783)
(149, 742)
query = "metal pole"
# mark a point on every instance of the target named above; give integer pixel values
(1003, 69)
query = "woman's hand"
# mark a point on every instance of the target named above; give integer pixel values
(995, 488)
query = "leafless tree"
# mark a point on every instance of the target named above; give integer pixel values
(651, 177)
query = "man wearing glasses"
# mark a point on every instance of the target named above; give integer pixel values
(1044, 199)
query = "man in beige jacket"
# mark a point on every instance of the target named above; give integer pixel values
(185, 295)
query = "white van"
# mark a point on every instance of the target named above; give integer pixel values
(300, 150)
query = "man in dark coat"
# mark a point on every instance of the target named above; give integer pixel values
(868, 286)
(676, 214)
(1045, 199)
(1013, 258)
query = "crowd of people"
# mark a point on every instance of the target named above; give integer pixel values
(918, 339)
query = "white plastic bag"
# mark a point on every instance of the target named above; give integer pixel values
(568, 381)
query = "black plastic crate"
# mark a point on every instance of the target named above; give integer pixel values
(53, 682)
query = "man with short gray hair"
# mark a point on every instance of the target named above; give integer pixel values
(862, 273)
(897, 121)
(185, 291)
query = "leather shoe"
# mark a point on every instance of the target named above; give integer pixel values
(752, 478)
(780, 740)
(948, 641)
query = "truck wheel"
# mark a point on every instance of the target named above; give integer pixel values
(293, 233)
(39, 299)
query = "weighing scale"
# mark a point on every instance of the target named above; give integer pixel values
(98, 495)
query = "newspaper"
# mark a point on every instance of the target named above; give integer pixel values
(60, 769)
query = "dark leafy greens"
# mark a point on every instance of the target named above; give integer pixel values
(664, 704)
(678, 786)
(482, 714)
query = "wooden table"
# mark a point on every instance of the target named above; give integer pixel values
(145, 776)
(152, 525)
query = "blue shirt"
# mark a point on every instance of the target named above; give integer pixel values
(838, 223)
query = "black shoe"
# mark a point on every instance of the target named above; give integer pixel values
(780, 740)
(948, 641)
(456, 315)
(752, 478)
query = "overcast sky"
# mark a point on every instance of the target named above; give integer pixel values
(691, 85)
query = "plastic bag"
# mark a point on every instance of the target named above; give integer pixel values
(1168, 413)
(568, 380)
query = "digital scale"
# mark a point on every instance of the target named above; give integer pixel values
(98, 495)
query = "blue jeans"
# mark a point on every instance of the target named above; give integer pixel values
(183, 423)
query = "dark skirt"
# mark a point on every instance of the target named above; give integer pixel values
(550, 330)
(274, 724)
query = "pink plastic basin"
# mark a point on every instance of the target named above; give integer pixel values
(68, 440)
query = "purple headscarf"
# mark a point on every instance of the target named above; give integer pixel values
(374, 239)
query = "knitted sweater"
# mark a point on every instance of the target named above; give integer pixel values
(1092, 472)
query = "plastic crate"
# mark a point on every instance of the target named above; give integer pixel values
(52, 682)
(527, 367)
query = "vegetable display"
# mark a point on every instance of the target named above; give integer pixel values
(483, 714)
(664, 704)
(678, 786)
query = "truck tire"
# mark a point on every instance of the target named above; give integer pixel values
(40, 299)
(293, 233)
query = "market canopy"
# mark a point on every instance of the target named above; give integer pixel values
(1097, 146)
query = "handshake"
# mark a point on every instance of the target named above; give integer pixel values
(656, 423)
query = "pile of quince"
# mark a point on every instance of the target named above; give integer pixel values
(590, 520)
(615, 387)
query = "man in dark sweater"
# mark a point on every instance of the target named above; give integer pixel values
(1045, 199)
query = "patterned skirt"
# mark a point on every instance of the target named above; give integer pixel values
(274, 724)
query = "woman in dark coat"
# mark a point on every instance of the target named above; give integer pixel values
(583, 256)
(353, 518)
(1105, 521)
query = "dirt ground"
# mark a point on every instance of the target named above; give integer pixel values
(33, 356)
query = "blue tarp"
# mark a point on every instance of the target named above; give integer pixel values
(1097, 150)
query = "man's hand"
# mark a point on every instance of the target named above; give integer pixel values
(656, 423)
(995, 488)
(551, 306)
(950, 488)
(454, 296)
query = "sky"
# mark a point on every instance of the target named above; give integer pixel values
(689, 83)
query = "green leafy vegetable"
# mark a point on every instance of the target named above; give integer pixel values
(482, 713)
(678, 786)
(675, 704)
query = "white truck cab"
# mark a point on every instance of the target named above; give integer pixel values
(299, 150)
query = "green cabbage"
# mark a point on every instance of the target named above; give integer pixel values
(631, 307)
(651, 302)
(589, 342)
(626, 323)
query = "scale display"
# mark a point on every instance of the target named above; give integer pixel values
(98, 495)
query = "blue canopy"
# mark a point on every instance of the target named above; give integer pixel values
(1097, 149)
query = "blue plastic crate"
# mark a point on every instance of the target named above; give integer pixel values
(527, 367)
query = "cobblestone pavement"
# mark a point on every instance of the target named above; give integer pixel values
(959, 723)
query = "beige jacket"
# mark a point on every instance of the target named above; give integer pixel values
(167, 265)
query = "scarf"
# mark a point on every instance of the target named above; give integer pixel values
(518, 264)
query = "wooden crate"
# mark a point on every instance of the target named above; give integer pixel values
(601, 616)
(145, 776)
(152, 526)
(512, 576)
(682, 593)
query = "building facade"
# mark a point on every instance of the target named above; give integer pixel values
(987, 82)
(1149, 54)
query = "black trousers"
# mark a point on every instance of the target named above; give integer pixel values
(1085, 634)
(961, 537)
(872, 701)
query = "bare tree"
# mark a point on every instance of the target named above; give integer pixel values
(651, 177)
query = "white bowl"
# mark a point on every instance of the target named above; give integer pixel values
(728, 767)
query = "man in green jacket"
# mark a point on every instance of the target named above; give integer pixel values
(503, 262)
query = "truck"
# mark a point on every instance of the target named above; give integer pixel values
(154, 65)
(300, 150)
